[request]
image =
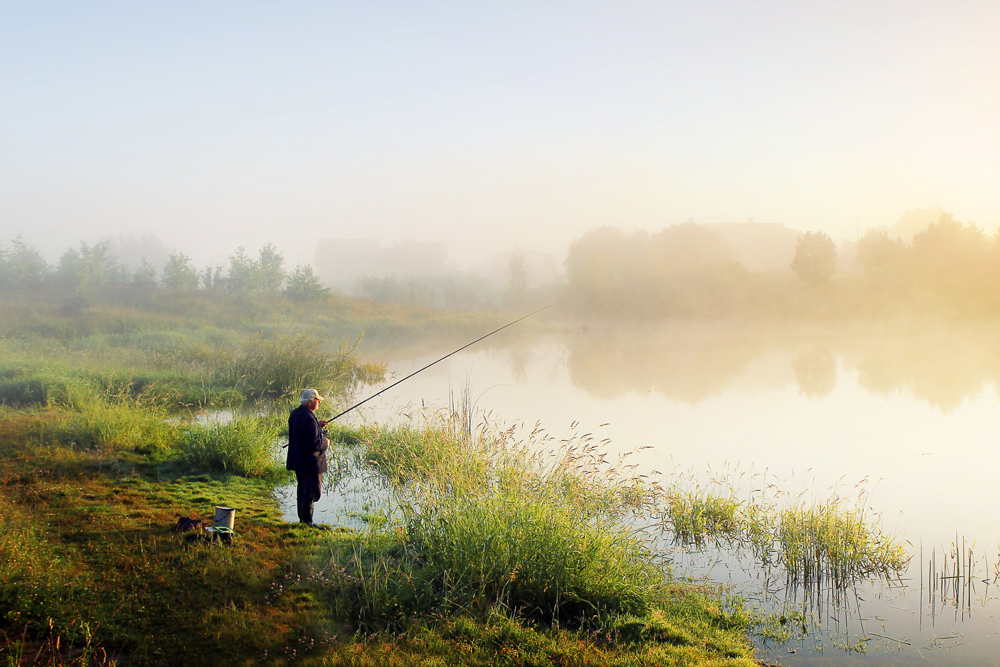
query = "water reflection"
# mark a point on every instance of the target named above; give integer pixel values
(944, 366)
(816, 372)
(690, 362)
(685, 362)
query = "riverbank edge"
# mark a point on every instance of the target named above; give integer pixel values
(94, 574)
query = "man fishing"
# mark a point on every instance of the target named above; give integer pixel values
(307, 445)
(307, 454)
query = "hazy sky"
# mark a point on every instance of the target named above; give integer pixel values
(488, 124)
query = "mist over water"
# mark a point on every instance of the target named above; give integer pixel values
(902, 415)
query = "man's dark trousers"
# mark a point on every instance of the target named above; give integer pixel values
(307, 492)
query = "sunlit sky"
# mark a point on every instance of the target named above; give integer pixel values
(488, 125)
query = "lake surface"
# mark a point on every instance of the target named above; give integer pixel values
(905, 416)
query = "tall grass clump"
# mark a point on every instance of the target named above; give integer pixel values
(407, 454)
(479, 525)
(118, 427)
(30, 385)
(832, 540)
(694, 514)
(278, 367)
(828, 541)
(247, 445)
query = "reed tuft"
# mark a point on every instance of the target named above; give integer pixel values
(247, 445)
(480, 525)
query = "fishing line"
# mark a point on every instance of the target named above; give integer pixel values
(509, 324)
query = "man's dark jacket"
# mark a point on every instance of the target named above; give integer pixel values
(306, 451)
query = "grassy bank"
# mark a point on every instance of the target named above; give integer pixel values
(97, 463)
(478, 548)
(475, 551)
(89, 564)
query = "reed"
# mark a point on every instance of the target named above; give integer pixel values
(277, 367)
(246, 445)
(484, 524)
(832, 540)
(694, 515)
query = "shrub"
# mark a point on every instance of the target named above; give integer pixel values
(479, 525)
(27, 385)
(247, 445)
(120, 426)
(277, 367)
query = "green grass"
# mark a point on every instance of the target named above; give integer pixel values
(279, 367)
(88, 563)
(87, 556)
(836, 543)
(478, 525)
(246, 445)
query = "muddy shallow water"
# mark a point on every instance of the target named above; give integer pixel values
(905, 416)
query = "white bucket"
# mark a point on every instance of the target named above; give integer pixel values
(224, 516)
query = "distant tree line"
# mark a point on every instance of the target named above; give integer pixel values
(687, 270)
(682, 270)
(87, 271)
(947, 266)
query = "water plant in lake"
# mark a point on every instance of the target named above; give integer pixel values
(836, 542)
(833, 540)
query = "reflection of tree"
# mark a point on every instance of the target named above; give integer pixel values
(945, 365)
(689, 362)
(519, 357)
(686, 362)
(816, 372)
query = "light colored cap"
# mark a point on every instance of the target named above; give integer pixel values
(310, 394)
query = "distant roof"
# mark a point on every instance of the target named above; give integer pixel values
(913, 222)
(759, 246)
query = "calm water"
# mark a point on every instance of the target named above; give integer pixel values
(906, 415)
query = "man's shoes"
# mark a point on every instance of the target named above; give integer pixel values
(317, 526)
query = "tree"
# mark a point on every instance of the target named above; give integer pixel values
(242, 275)
(881, 257)
(598, 266)
(179, 273)
(517, 279)
(815, 258)
(212, 278)
(89, 269)
(22, 266)
(304, 285)
(145, 275)
(950, 253)
(255, 275)
(270, 271)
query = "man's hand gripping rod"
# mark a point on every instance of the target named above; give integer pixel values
(438, 361)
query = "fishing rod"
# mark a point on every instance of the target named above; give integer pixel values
(438, 361)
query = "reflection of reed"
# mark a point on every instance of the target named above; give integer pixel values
(952, 584)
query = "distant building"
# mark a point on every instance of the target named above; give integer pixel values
(759, 246)
(342, 263)
(913, 222)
